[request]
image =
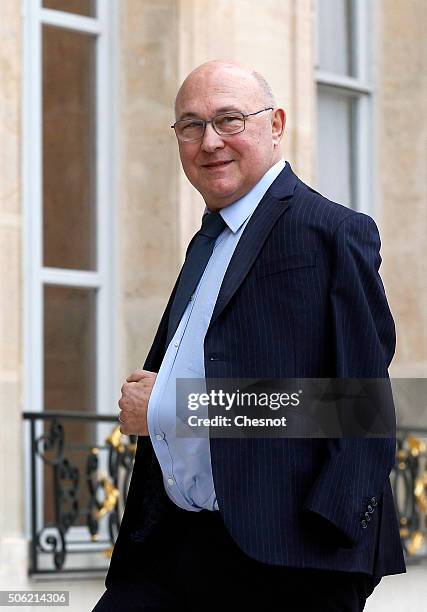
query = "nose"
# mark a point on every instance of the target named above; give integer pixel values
(211, 140)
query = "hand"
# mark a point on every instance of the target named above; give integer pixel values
(134, 402)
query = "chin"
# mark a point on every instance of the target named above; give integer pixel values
(218, 204)
(219, 195)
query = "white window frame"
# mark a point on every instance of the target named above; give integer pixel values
(361, 89)
(35, 276)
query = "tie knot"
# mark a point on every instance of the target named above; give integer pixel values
(212, 225)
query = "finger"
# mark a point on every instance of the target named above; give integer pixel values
(126, 387)
(135, 376)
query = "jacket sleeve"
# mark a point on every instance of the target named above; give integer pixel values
(343, 503)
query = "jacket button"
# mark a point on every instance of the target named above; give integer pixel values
(368, 518)
(370, 509)
(373, 501)
(364, 524)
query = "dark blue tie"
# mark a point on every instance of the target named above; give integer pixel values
(198, 254)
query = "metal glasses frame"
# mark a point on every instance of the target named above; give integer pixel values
(206, 121)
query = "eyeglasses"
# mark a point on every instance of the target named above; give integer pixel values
(225, 124)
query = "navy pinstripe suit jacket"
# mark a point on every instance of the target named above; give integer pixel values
(301, 297)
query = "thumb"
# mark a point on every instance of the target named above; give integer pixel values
(139, 374)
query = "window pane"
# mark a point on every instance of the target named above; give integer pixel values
(69, 348)
(69, 375)
(335, 145)
(335, 23)
(69, 223)
(80, 7)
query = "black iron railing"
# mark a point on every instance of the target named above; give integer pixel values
(78, 491)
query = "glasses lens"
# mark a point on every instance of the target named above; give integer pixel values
(189, 130)
(229, 123)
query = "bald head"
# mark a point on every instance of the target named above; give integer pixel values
(256, 84)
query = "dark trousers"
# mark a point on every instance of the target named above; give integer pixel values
(191, 563)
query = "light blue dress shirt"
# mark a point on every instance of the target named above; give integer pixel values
(186, 462)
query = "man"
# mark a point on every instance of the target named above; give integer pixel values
(279, 283)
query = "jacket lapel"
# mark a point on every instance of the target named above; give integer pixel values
(271, 207)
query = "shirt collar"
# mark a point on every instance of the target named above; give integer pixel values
(235, 214)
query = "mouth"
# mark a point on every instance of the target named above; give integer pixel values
(217, 164)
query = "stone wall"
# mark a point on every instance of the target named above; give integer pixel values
(12, 376)
(401, 174)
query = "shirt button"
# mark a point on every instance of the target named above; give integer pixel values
(159, 437)
(170, 481)
(176, 344)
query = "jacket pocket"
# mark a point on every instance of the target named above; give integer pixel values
(283, 264)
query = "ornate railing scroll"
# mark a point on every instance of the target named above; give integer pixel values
(409, 483)
(79, 531)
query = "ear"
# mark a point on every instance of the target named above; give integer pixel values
(278, 122)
